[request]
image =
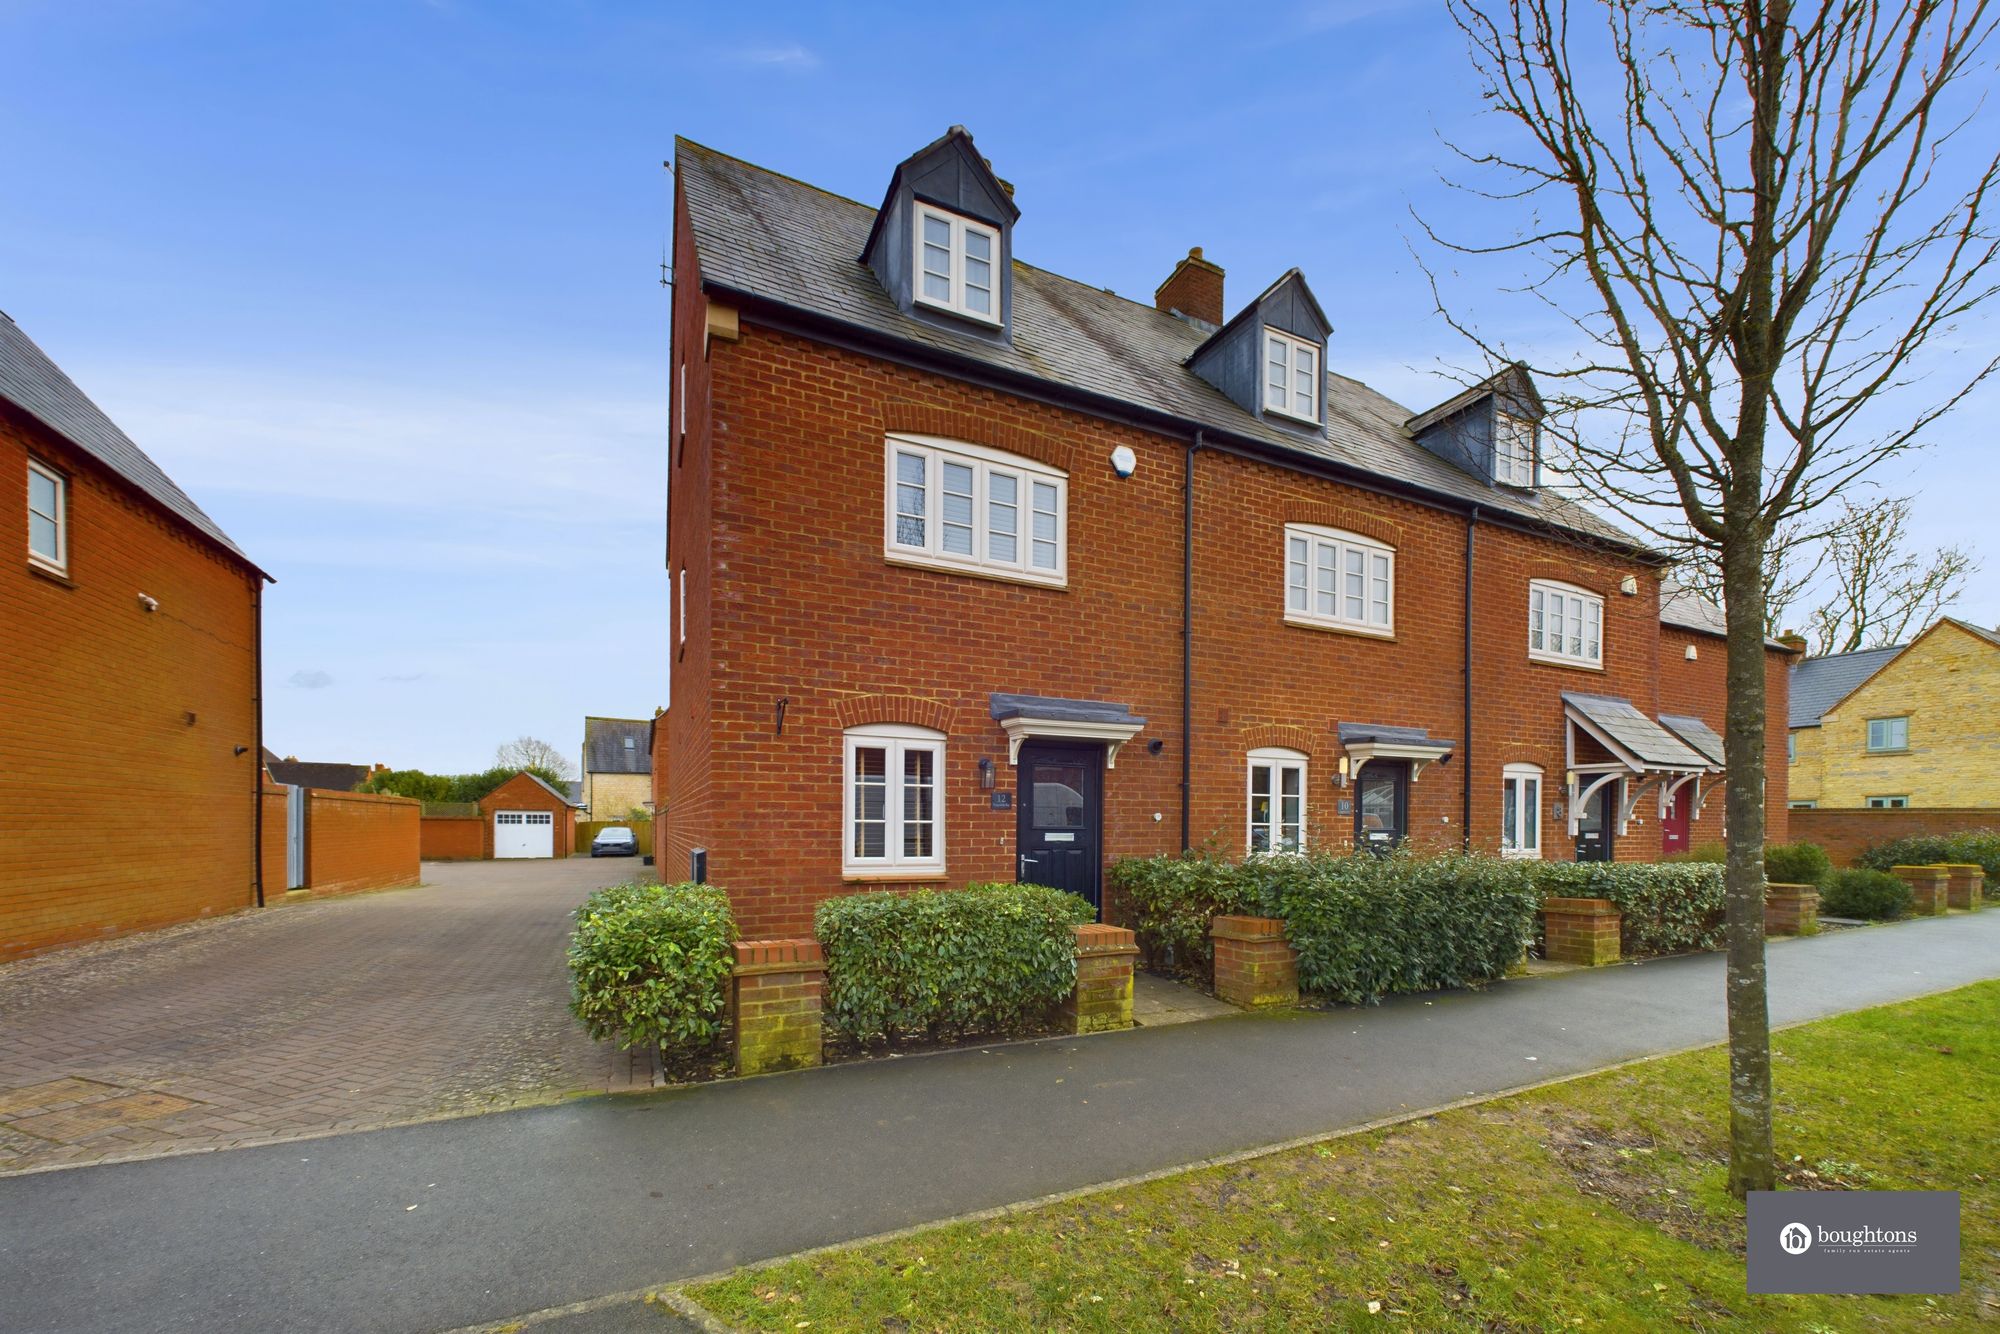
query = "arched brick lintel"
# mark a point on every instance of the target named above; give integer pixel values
(950, 424)
(1383, 530)
(913, 710)
(1259, 735)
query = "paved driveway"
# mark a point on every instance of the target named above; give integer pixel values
(334, 1015)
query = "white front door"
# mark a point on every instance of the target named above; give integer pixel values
(524, 834)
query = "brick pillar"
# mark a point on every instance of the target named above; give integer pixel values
(778, 986)
(1966, 885)
(1791, 910)
(1581, 931)
(1254, 963)
(1102, 1000)
(1929, 891)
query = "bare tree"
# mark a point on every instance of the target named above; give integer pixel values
(1758, 220)
(1794, 558)
(1882, 590)
(532, 753)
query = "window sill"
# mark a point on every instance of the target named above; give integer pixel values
(51, 573)
(851, 876)
(1290, 418)
(1520, 855)
(913, 561)
(1574, 664)
(969, 316)
(1900, 750)
(1336, 628)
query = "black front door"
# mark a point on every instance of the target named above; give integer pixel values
(1382, 805)
(1593, 825)
(1059, 817)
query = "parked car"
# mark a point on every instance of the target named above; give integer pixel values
(616, 841)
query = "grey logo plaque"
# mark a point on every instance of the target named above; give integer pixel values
(1853, 1241)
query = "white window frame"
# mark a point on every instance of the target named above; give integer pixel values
(985, 464)
(1894, 748)
(1295, 347)
(680, 403)
(1899, 802)
(1527, 810)
(682, 616)
(897, 740)
(1513, 466)
(960, 226)
(1278, 760)
(1345, 546)
(58, 561)
(1542, 596)
(1802, 805)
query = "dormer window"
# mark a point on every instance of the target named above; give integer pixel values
(1291, 376)
(955, 264)
(1513, 450)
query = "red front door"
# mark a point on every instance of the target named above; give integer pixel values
(1674, 825)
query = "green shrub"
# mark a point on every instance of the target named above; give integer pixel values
(1716, 853)
(1979, 847)
(1169, 901)
(651, 964)
(1366, 926)
(947, 963)
(1863, 893)
(1666, 907)
(1796, 864)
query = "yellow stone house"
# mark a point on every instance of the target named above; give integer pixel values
(617, 769)
(1916, 725)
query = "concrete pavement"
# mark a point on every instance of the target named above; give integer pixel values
(446, 1224)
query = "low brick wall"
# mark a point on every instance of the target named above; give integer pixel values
(779, 988)
(358, 840)
(1930, 891)
(1791, 910)
(1254, 963)
(1102, 1000)
(1583, 931)
(272, 835)
(1845, 833)
(1966, 885)
(454, 838)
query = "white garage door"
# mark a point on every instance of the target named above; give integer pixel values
(524, 834)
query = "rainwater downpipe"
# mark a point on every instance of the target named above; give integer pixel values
(1194, 446)
(1465, 726)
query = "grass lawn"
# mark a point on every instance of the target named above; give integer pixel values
(1596, 1204)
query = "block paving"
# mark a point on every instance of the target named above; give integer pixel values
(306, 1019)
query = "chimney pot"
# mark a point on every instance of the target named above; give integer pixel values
(1193, 291)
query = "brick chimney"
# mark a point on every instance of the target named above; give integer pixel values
(1193, 291)
(1793, 640)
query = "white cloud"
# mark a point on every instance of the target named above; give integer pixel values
(790, 56)
(307, 679)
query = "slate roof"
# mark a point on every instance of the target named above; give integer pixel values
(604, 749)
(36, 385)
(326, 775)
(1644, 739)
(1820, 683)
(1357, 733)
(771, 237)
(1696, 733)
(1051, 708)
(1689, 610)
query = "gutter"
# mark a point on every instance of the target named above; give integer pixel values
(786, 318)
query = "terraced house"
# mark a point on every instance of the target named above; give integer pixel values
(981, 573)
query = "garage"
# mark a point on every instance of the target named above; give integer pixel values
(524, 834)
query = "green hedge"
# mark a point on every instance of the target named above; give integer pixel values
(1979, 847)
(1169, 901)
(947, 963)
(1367, 926)
(1873, 895)
(1796, 864)
(1667, 907)
(651, 964)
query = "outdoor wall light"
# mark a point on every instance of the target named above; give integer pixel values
(985, 771)
(1123, 461)
(1629, 586)
(1155, 746)
(1340, 772)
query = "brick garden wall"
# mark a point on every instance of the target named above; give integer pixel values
(451, 838)
(271, 804)
(359, 840)
(1845, 834)
(110, 708)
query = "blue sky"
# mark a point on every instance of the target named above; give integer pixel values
(378, 282)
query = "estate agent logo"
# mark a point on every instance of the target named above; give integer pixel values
(1878, 1241)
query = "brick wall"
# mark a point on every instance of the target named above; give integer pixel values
(1845, 833)
(273, 816)
(452, 838)
(111, 708)
(1699, 686)
(360, 840)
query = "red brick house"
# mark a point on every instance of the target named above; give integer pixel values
(129, 666)
(981, 573)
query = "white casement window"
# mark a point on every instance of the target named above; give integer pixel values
(958, 264)
(965, 507)
(1888, 734)
(1338, 579)
(1291, 376)
(1791, 748)
(48, 517)
(1513, 450)
(893, 810)
(1521, 811)
(680, 404)
(682, 611)
(1565, 624)
(1277, 800)
(1888, 803)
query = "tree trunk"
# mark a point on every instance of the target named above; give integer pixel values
(1751, 1158)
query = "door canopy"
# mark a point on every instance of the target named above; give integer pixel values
(1050, 718)
(1608, 739)
(1378, 741)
